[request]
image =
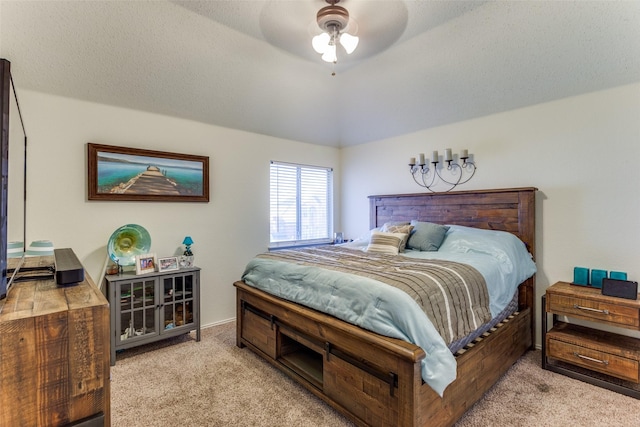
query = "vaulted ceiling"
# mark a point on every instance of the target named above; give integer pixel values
(248, 64)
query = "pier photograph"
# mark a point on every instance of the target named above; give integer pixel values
(120, 173)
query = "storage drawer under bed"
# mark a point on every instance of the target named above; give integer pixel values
(258, 330)
(365, 391)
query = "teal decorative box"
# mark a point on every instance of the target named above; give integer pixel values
(597, 276)
(618, 275)
(580, 276)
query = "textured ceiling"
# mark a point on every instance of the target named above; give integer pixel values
(248, 64)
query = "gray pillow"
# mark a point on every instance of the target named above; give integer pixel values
(426, 236)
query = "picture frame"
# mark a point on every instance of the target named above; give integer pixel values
(132, 174)
(169, 263)
(146, 263)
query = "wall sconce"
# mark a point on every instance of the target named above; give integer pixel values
(425, 176)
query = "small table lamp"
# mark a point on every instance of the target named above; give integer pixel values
(187, 242)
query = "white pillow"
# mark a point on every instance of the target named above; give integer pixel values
(387, 243)
(511, 252)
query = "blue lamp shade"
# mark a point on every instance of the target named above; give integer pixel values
(187, 241)
(40, 248)
(15, 249)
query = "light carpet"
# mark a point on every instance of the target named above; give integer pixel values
(214, 383)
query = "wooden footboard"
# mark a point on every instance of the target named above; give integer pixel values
(371, 379)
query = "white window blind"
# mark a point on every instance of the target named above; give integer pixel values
(301, 205)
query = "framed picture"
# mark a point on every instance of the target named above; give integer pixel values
(131, 174)
(169, 263)
(145, 263)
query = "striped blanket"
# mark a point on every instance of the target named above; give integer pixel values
(454, 296)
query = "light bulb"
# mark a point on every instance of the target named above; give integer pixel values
(330, 54)
(349, 42)
(321, 42)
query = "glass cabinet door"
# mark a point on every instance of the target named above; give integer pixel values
(178, 301)
(137, 301)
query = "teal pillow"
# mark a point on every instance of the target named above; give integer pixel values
(426, 236)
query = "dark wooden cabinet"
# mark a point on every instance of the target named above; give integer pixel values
(590, 353)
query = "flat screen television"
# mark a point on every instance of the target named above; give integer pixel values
(13, 146)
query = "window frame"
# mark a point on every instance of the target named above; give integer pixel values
(298, 241)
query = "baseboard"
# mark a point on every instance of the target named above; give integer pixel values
(218, 323)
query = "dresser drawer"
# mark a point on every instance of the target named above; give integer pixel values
(616, 366)
(599, 310)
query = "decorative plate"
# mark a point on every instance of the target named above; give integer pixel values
(127, 242)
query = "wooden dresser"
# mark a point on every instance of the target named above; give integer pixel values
(589, 353)
(54, 353)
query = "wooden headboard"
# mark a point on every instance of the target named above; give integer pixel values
(510, 209)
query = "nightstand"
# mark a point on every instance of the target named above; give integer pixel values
(590, 354)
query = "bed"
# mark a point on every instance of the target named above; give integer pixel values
(375, 379)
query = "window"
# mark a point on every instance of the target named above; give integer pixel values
(301, 205)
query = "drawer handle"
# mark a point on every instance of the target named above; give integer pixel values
(579, 307)
(590, 359)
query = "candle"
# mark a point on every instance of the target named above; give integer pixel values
(412, 161)
(447, 155)
(435, 157)
(421, 156)
(464, 154)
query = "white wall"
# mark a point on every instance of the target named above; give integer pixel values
(228, 231)
(581, 153)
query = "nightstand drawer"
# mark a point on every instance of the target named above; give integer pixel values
(601, 351)
(616, 366)
(614, 313)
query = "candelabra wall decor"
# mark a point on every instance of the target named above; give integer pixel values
(451, 175)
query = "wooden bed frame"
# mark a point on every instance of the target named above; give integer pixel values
(376, 380)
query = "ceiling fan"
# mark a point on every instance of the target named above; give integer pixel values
(334, 20)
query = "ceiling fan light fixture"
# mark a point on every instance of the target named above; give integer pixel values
(349, 42)
(330, 54)
(333, 20)
(321, 42)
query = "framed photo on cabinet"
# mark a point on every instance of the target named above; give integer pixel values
(169, 263)
(145, 263)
